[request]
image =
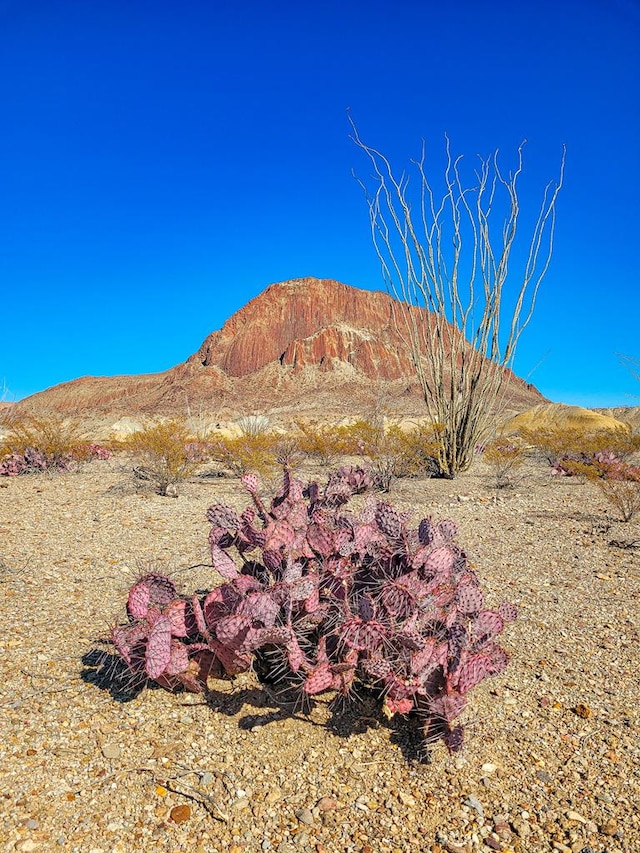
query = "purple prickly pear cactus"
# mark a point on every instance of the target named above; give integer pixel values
(389, 520)
(327, 598)
(150, 591)
(158, 651)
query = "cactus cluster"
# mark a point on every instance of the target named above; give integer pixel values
(605, 465)
(326, 597)
(33, 460)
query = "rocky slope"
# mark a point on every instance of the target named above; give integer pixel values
(304, 346)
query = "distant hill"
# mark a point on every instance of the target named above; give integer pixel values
(307, 346)
(561, 416)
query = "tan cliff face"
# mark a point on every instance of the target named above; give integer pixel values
(306, 345)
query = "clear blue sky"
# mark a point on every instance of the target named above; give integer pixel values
(162, 162)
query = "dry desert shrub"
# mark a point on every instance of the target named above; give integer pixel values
(618, 481)
(320, 442)
(570, 443)
(504, 457)
(248, 452)
(254, 425)
(54, 436)
(623, 495)
(165, 453)
(392, 452)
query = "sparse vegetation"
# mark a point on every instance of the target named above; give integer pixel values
(622, 491)
(504, 457)
(166, 452)
(36, 444)
(321, 442)
(248, 452)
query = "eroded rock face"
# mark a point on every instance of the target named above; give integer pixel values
(310, 322)
(310, 344)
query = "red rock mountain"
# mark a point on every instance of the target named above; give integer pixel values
(307, 345)
(310, 322)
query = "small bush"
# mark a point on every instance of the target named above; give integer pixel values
(166, 452)
(393, 452)
(504, 458)
(619, 482)
(243, 453)
(321, 442)
(560, 443)
(53, 436)
(253, 425)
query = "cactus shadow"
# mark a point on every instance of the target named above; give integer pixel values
(354, 715)
(362, 711)
(109, 672)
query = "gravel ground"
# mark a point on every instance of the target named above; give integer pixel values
(552, 755)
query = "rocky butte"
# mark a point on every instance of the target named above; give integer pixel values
(307, 346)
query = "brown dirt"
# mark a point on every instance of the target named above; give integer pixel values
(552, 751)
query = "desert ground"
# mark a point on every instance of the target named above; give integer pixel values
(551, 760)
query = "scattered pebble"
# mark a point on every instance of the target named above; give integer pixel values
(179, 814)
(111, 750)
(305, 816)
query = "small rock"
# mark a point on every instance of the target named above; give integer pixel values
(502, 830)
(609, 828)
(240, 803)
(305, 816)
(583, 711)
(179, 814)
(451, 847)
(111, 750)
(327, 804)
(489, 768)
(475, 804)
(406, 799)
(571, 815)
(521, 828)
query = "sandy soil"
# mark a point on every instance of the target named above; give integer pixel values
(552, 756)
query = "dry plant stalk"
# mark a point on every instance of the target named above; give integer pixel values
(441, 253)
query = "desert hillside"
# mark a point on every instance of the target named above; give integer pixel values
(312, 346)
